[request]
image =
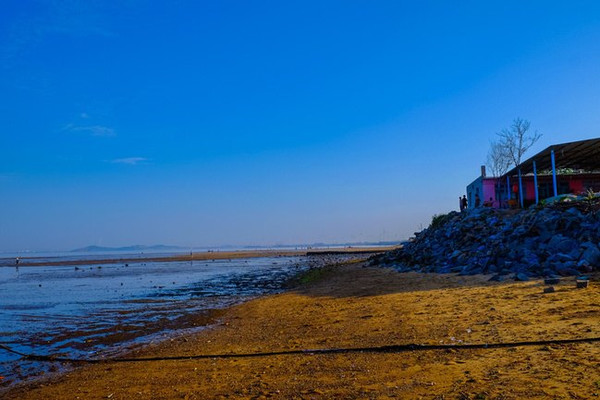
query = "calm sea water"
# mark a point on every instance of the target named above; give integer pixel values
(72, 311)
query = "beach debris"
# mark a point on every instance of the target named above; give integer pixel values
(549, 242)
(549, 289)
(582, 282)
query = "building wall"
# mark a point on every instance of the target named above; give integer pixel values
(573, 184)
(475, 187)
(495, 188)
(487, 188)
(489, 192)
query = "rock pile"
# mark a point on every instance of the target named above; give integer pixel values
(537, 242)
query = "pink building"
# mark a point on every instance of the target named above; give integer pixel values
(572, 167)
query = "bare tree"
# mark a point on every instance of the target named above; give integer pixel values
(516, 141)
(498, 159)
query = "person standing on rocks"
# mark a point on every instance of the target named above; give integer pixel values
(477, 200)
(460, 204)
(464, 204)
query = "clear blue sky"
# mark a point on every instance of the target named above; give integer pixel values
(232, 122)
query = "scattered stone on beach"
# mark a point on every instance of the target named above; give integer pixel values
(582, 284)
(552, 241)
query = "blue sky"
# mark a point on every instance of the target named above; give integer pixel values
(207, 123)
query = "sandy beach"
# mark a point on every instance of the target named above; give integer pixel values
(350, 306)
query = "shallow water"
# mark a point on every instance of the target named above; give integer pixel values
(94, 311)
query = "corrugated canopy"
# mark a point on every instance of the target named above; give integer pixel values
(579, 155)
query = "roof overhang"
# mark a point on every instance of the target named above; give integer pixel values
(580, 155)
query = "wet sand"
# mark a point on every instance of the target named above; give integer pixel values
(201, 256)
(353, 306)
(98, 311)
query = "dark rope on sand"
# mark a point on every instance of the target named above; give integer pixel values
(378, 349)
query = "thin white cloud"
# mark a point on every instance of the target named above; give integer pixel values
(93, 130)
(129, 160)
(98, 130)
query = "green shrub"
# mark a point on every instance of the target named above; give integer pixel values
(438, 220)
(590, 195)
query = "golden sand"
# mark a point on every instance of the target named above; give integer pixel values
(353, 306)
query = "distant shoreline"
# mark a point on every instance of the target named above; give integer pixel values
(203, 256)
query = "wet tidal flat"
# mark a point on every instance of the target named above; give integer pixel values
(95, 311)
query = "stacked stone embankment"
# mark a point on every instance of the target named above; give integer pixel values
(557, 240)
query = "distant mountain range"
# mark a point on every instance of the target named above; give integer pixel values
(135, 248)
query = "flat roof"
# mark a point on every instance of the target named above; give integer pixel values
(581, 154)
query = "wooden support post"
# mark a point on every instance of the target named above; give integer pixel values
(507, 191)
(537, 197)
(520, 189)
(554, 173)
